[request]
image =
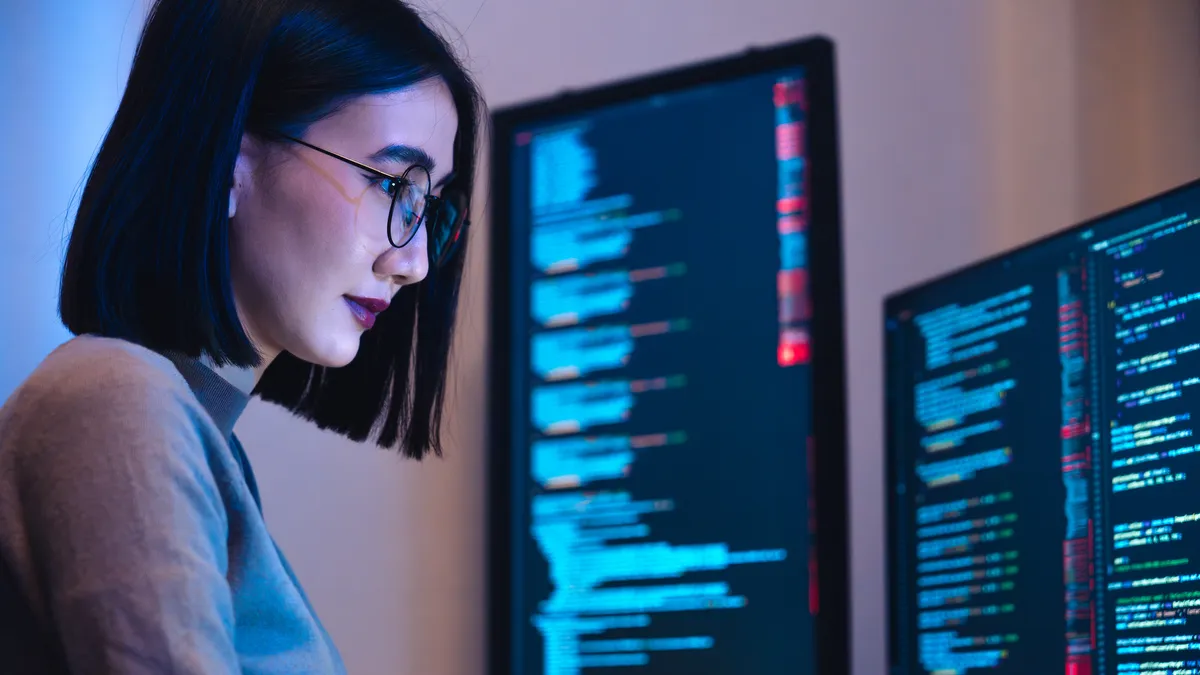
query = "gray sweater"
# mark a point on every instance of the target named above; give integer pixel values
(131, 536)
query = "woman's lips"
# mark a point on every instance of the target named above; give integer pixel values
(361, 311)
(372, 305)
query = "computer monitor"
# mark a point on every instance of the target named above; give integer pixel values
(1044, 505)
(668, 443)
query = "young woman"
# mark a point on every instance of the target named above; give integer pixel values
(278, 210)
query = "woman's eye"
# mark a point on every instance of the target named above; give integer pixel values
(387, 185)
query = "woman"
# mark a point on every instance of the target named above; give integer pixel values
(277, 210)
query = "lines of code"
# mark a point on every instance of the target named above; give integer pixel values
(967, 562)
(1044, 511)
(664, 489)
(1152, 508)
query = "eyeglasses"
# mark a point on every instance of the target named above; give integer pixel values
(412, 204)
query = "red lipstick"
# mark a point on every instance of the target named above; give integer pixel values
(373, 305)
(365, 309)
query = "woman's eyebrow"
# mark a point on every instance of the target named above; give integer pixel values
(405, 154)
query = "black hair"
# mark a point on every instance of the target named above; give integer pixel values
(148, 259)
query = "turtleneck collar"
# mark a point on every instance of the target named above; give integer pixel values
(223, 401)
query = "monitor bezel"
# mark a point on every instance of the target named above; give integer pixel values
(816, 55)
(893, 304)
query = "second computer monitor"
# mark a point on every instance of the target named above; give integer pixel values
(1043, 461)
(668, 440)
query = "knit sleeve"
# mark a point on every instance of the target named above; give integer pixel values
(127, 529)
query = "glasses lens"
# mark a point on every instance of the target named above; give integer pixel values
(451, 219)
(408, 205)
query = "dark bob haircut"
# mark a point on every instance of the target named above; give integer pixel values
(148, 259)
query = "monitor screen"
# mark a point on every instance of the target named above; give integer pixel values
(665, 283)
(1041, 443)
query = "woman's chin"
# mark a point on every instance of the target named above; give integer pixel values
(335, 352)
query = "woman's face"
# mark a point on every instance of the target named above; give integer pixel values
(309, 232)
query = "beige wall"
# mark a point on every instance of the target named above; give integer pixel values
(1138, 97)
(966, 127)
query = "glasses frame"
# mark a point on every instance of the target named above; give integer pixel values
(438, 204)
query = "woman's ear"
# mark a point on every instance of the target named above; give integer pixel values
(233, 195)
(243, 172)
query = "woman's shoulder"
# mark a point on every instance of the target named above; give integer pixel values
(99, 384)
(90, 367)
